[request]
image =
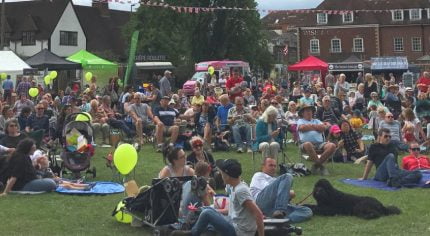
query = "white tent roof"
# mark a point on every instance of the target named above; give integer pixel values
(9, 61)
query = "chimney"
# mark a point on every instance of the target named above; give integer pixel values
(102, 6)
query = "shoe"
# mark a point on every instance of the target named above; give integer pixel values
(180, 233)
(159, 147)
(278, 214)
(249, 150)
(324, 171)
(240, 150)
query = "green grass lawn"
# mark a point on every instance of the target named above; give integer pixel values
(56, 214)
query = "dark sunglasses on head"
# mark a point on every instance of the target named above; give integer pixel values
(416, 149)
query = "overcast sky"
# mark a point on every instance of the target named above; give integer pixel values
(262, 4)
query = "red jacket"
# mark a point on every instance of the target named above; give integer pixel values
(231, 83)
(413, 163)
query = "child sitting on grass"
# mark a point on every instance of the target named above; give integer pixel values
(356, 120)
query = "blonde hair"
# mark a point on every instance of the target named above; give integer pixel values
(271, 110)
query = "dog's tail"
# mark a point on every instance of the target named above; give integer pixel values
(392, 210)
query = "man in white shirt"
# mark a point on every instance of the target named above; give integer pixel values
(273, 194)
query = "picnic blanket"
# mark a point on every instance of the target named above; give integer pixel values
(99, 188)
(370, 183)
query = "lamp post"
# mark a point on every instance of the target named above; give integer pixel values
(131, 7)
(3, 19)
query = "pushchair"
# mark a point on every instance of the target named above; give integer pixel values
(77, 159)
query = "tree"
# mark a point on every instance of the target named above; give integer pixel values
(189, 38)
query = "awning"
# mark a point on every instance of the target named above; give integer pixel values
(154, 65)
(389, 63)
(48, 60)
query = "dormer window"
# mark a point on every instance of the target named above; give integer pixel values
(415, 14)
(28, 38)
(397, 15)
(322, 18)
(348, 17)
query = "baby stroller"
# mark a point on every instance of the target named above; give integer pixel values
(77, 156)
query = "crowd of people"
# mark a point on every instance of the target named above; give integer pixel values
(325, 121)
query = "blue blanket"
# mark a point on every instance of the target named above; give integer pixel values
(370, 183)
(99, 188)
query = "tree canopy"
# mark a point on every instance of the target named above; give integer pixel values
(188, 38)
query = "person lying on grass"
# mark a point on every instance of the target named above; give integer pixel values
(383, 154)
(43, 171)
(265, 189)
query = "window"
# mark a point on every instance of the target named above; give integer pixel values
(68, 38)
(398, 45)
(348, 17)
(415, 14)
(28, 38)
(397, 15)
(322, 18)
(358, 45)
(336, 46)
(315, 46)
(428, 13)
(417, 44)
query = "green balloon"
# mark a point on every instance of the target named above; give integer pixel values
(125, 158)
(47, 80)
(88, 76)
(81, 117)
(53, 74)
(120, 215)
(33, 92)
(3, 76)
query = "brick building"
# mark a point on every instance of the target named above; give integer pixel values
(389, 28)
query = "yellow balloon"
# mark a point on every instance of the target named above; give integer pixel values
(120, 215)
(88, 76)
(82, 117)
(53, 74)
(47, 79)
(125, 158)
(33, 92)
(3, 75)
(211, 70)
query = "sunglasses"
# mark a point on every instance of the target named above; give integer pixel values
(197, 145)
(274, 103)
(389, 116)
(13, 125)
(416, 149)
(387, 136)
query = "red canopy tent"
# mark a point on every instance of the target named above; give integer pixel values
(310, 64)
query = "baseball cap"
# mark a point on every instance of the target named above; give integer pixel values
(335, 129)
(230, 166)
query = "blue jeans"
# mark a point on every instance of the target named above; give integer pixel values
(215, 220)
(239, 131)
(40, 185)
(276, 196)
(388, 168)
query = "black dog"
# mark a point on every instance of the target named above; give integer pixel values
(331, 201)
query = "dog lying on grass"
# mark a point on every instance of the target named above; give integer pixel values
(331, 201)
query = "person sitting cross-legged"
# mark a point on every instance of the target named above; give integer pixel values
(383, 154)
(312, 140)
(273, 194)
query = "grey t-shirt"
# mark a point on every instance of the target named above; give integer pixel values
(140, 110)
(165, 87)
(243, 220)
(394, 128)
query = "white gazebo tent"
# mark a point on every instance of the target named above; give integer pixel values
(11, 64)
